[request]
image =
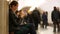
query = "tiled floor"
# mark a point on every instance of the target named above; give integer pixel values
(49, 30)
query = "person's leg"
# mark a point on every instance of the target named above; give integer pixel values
(11, 32)
(22, 30)
(46, 24)
(58, 27)
(32, 29)
(36, 25)
(54, 30)
(43, 25)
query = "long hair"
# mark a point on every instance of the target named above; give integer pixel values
(13, 3)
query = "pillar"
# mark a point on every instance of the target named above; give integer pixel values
(4, 17)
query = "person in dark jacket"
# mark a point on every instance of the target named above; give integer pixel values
(59, 18)
(12, 17)
(55, 18)
(36, 17)
(14, 26)
(44, 19)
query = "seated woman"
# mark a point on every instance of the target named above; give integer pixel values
(25, 22)
(16, 25)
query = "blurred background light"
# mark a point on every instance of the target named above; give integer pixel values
(32, 3)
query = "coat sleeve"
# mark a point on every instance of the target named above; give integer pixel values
(13, 19)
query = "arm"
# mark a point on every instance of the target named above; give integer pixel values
(13, 18)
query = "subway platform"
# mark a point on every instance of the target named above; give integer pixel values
(49, 30)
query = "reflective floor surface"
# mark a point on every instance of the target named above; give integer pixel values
(49, 30)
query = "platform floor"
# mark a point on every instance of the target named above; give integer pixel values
(49, 30)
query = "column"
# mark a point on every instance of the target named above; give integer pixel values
(4, 17)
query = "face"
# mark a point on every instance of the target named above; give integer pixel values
(22, 13)
(18, 14)
(15, 7)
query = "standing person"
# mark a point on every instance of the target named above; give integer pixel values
(59, 18)
(12, 17)
(44, 19)
(36, 17)
(55, 18)
(47, 18)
